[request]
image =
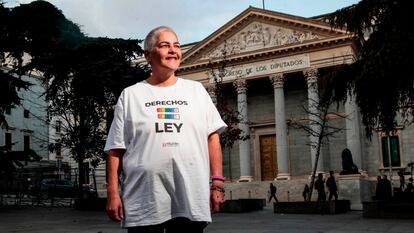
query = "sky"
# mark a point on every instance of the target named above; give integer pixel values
(193, 20)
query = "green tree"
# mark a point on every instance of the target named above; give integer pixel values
(382, 77)
(10, 83)
(83, 98)
(83, 76)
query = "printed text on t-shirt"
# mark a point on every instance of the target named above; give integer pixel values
(166, 102)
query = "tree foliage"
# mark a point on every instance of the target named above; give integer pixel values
(84, 95)
(83, 76)
(10, 83)
(382, 77)
(9, 86)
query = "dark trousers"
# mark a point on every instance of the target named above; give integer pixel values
(321, 196)
(273, 196)
(175, 225)
(333, 194)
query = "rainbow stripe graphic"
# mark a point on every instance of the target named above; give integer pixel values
(175, 110)
(168, 116)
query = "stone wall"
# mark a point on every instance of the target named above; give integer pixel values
(355, 188)
(287, 190)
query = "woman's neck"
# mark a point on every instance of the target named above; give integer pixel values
(162, 80)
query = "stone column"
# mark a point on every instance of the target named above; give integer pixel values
(281, 129)
(311, 76)
(353, 130)
(244, 145)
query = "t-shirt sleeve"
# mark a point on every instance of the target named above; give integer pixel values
(116, 135)
(214, 121)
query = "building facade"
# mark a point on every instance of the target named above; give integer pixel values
(273, 64)
(28, 123)
(27, 130)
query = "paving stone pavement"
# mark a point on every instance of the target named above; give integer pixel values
(19, 219)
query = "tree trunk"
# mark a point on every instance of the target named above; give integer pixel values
(81, 177)
(318, 149)
(312, 183)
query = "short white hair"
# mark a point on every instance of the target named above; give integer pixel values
(152, 37)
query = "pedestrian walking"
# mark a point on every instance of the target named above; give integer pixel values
(273, 189)
(332, 187)
(305, 192)
(320, 187)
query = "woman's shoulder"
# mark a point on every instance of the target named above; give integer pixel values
(132, 90)
(137, 85)
(192, 83)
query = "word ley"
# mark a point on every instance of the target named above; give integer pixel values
(167, 127)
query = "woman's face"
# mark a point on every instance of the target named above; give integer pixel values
(167, 52)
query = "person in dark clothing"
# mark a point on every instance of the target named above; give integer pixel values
(402, 180)
(331, 184)
(305, 192)
(387, 189)
(320, 187)
(410, 187)
(379, 189)
(273, 192)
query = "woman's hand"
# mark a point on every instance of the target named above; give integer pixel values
(114, 208)
(217, 196)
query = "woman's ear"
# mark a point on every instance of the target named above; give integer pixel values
(147, 56)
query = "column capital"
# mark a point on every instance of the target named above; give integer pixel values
(311, 75)
(277, 80)
(311, 72)
(240, 85)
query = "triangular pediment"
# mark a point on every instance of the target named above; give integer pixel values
(258, 36)
(258, 31)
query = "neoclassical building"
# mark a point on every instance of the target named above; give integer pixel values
(273, 62)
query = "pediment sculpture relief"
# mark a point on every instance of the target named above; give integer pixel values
(258, 36)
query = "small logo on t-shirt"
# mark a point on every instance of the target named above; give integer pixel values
(170, 144)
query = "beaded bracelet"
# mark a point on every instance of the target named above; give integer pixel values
(221, 178)
(217, 188)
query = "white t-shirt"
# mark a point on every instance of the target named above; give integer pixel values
(166, 167)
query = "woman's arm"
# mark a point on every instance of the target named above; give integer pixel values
(114, 207)
(216, 166)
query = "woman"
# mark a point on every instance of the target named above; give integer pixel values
(164, 144)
